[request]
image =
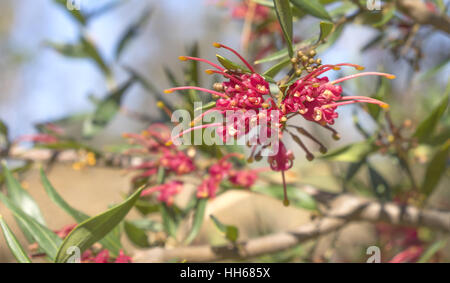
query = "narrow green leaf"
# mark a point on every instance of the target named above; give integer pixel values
(350, 153)
(436, 168)
(169, 223)
(136, 235)
(281, 54)
(13, 244)
(21, 197)
(230, 65)
(46, 239)
(284, 14)
(106, 110)
(325, 30)
(275, 69)
(388, 13)
(198, 220)
(133, 31)
(426, 127)
(379, 184)
(230, 232)
(312, 7)
(56, 198)
(207, 106)
(76, 14)
(432, 250)
(95, 228)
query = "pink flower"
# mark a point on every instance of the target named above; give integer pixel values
(62, 233)
(166, 191)
(245, 178)
(411, 254)
(38, 138)
(317, 99)
(122, 258)
(102, 257)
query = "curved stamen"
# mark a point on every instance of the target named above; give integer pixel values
(170, 90)
(185, 58)
(363, 98)
(389, 76)
(381, 104)
(200, 117)
(195, 128)
(234, 79)
(218, 45)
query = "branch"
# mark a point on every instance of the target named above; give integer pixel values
(343, 208)
(420, 13)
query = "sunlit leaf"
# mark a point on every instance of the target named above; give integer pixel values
(21, 197)
(312, 7)
(284, 14)
(426, 128)
(46, 239)
(325, 30)
(198, 219)
(95, 228)
(133, 31)
(275, 69)
(136, 235)
(13, 244)
(229, 65)
(436, 169)
(351, 153)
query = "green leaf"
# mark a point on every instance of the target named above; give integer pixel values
(281, 54)
(432, 250)
(351, 153)
(198, 220)
(388, 13)
(435, 169)
(353, 168)
(229, 65)
(312, 7)
(207, 106)
(21, 197)
(275, 69)
(147, 224)
(95, 228)
(3, 129)
(46, 239)
(325, 30)
(379, 184)
(111, 241)
(136, 235)
(230, 232)
(284, 14)
(426, 128)
(133, 31)
(56, 198)
(13, 244)
(382, 91)
(106, 110)
(169, 222)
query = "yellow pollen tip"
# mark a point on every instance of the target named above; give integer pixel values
(336, 68)
(385, 106)
(360, 68)
(160, 104)
(192, 124)
(169, 143)
(391, 77)
(168, 91)
(216, 45)
(209, 72)
(182, 58)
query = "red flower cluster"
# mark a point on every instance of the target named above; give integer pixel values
(245, 91)
(221, 170)
(166, 191)
(154, 141)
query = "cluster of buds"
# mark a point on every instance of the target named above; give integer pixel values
(154, 141)
(314, 98)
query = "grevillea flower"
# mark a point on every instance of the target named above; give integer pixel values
(247, 93)
(411, 254)
(217, 173)
(154, 141)
(244, 178)
(317, 99)
(166, 191)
